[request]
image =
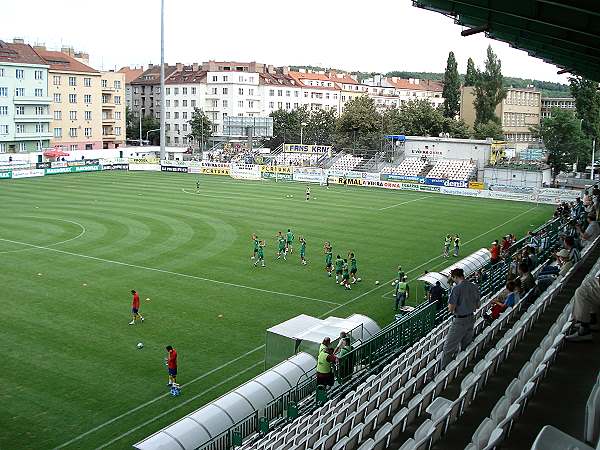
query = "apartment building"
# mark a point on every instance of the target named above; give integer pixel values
(130, 75)
(319, 91)
(548, 103)
(112, 85)
(76, 106)
(24, 101)
(145, 90)
(518, 113)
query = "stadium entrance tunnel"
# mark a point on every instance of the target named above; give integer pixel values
(208, 422)
(470, 265)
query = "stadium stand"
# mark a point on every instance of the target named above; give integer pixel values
(347, 162)
(408, 167)
(297, 159)
(453, 169)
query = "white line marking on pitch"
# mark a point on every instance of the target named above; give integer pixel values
(154, 400)
(169, 272)
(262, 346)
(179, 405)
(83, 231)
(404, 203)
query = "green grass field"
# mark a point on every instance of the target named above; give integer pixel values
(73, 246)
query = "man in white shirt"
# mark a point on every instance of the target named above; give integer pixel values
(591, 232)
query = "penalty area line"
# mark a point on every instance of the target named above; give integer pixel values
(169, 272)
(404, 203)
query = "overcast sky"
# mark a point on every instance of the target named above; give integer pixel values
(369, 36)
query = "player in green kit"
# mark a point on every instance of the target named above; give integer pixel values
(447, 243)
(456, 245)
(328, 257)
(353, 268)
(339, 266)
(281, 247)
(345, 276)
(289, 237)
(260, 254)
(197, 185)
(302, 250)
(256, 244)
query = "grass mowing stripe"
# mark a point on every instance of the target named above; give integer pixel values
(154, 400)
(154, 269)
(81, 233)
(179, 405)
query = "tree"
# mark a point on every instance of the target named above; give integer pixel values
(360, 125)
(451, 92)
(563, 139)
(489, 91)
(286, 126)
(320, 127)
(471, 76)
(587, 101)
(200, 127)
(490, 129)
(456, 128)
(132, 123)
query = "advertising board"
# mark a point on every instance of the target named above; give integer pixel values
(147, 167)
(302, 148)
(182, 169)
(27, 173)
(6, 175)
(308, 174)
(245, 171)
(144, 160)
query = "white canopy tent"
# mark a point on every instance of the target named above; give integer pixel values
(469, 265)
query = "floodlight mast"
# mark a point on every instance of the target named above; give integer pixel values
(162, 79)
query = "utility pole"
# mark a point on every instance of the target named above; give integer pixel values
(593, 158)
(162, 79)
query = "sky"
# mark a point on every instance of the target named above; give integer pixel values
(351, 35)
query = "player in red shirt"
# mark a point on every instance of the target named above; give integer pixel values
(172, 365)
(135, 308)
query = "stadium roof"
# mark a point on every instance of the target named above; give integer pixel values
(565, 33)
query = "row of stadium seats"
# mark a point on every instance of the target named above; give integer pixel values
(347, 162)
(296, 159)
(453, 169)
(363, 417)
(408, 167)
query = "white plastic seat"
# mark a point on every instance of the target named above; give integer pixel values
(483, 433)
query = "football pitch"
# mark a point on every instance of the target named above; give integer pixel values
(73, 246)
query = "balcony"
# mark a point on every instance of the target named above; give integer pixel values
(33, 118)
(33, 136)
(26, 100)
(109, 119)
(107, 89)
(108, 105)
(109, 136)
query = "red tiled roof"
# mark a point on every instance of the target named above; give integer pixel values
(60, 61)
(342, 78)
(152, 75)
(131, 74)
(278, 79)
(19, 53)
(186, 75)
(423, 85)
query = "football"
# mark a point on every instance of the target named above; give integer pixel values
(377, 282)
(140, 345)
(359, 279)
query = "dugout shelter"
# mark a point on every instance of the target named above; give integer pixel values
(469, 265)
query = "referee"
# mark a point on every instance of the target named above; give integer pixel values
(462, 303)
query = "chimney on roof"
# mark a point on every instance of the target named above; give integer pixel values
(302, 70)
(270, 69)
(285, 70)
(39, 47)
(178, 66)
(18, 41)
(150, 66)
(68, 50)
(395, 79)
(82, 57)
(195, 67)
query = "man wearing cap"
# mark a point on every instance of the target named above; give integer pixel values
(586, 302)
(462, 303)
(563, 261)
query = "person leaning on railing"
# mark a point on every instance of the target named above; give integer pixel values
(325, 363)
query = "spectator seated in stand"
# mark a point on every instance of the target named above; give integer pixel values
(592, 231)
(586, 303)
(499, 306)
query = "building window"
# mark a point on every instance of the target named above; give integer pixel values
(214, 91)
(73, 147)
(225, 104)
(57, 115)
(184, 91)
(184, 103)
(40, 127)
(184, 115)
(2, 146)
(39, 75)
(20, 128)
(56, 98)
(250, 91)
(19, 92)
(72, 81)
(271, 92)
(279, 93)
(22, 147)
(72, 115)
(73, 132)
(3, 129)
(176, 115)
(272, 105)
(185, 127)
(225, 78)
(39, 110)
(72, 98)
(117, 115)
(168, 103)
(167, 115)
(296, 93)
(20, 110)
(87, 115)
(104, 83)
(117, 84)
(3, 92)
(19, 73)
(214, 78)
(225, 91)
(241, 91)
(288, 106)
(176, 140)
(176, 91)
(193, 91)
(3, 110)
(167, 91)
(241, 104)
(118, 131)
(193, 103)
(39, 92)
(87, 82)
(117, 99)
(1, 72)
